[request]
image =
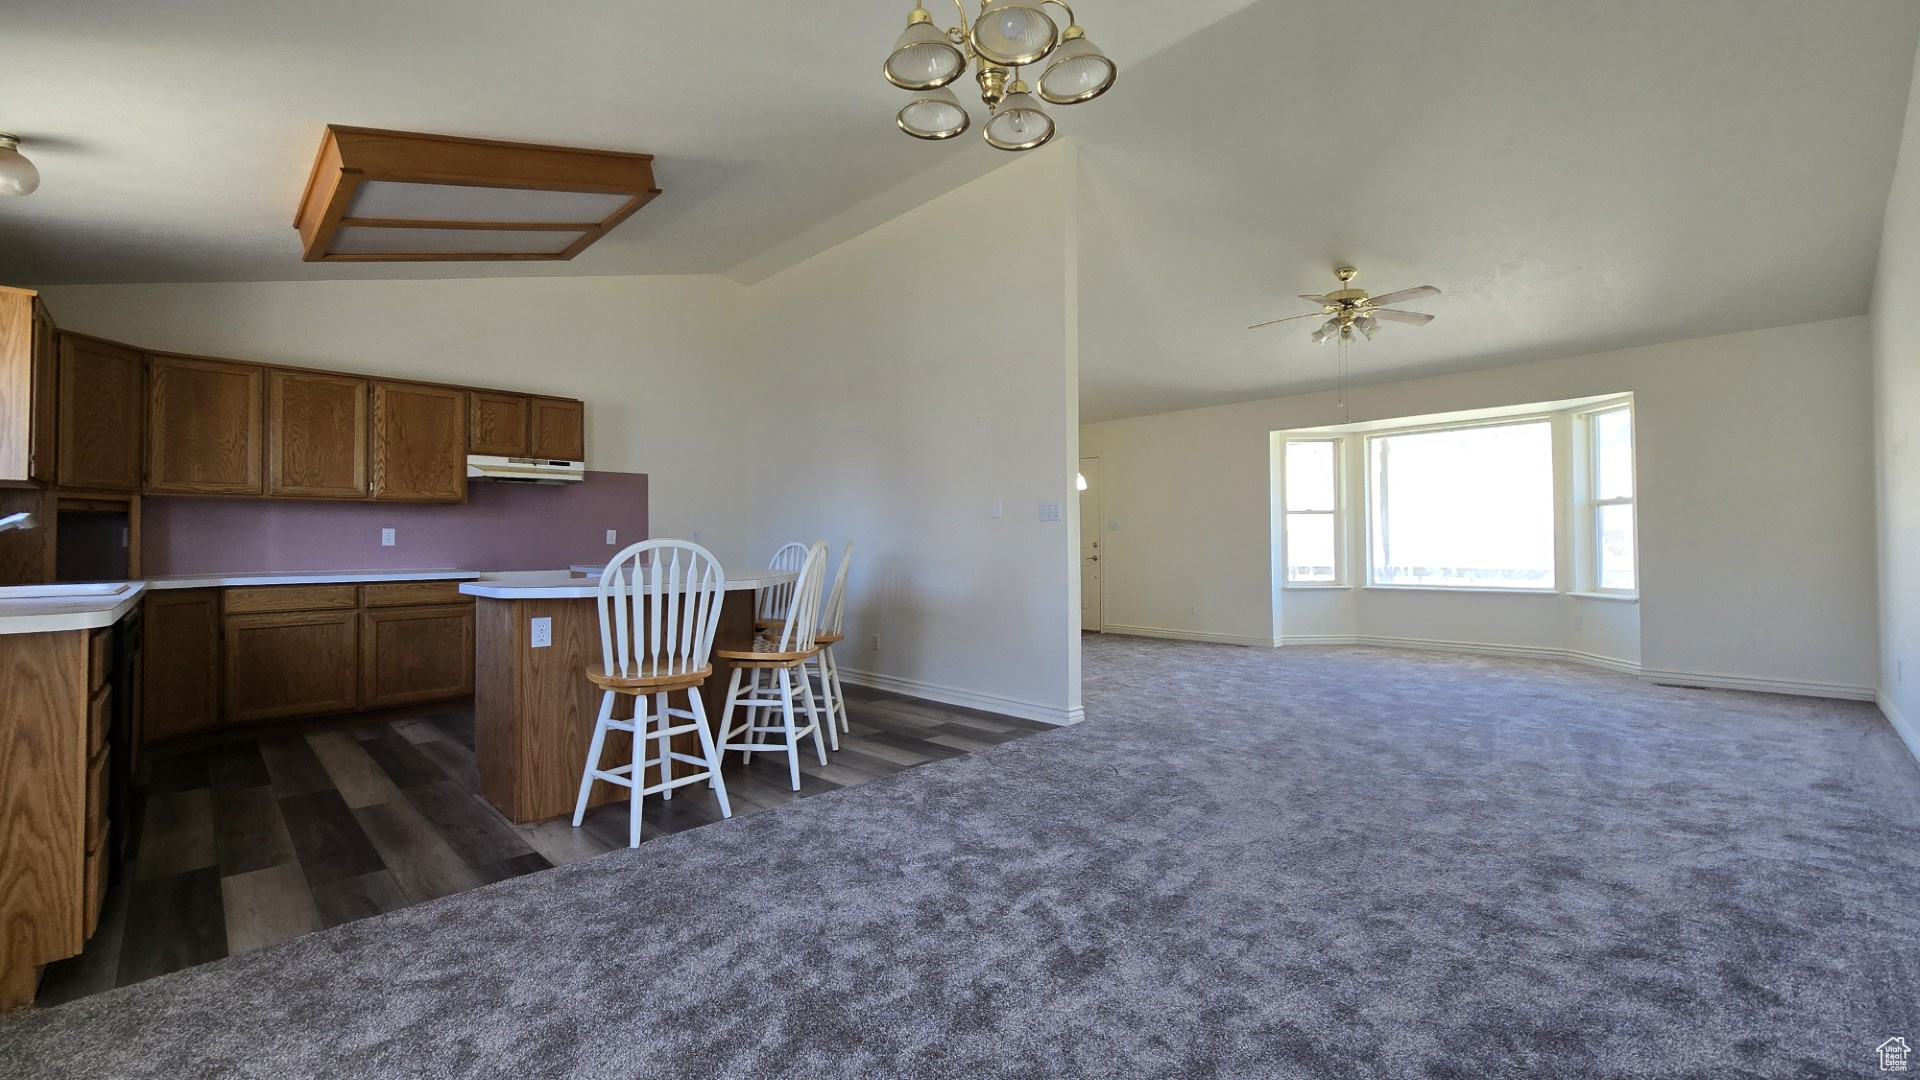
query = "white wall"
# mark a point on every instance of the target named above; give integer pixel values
(914, 375)
(1756, 513)
(659, 360)
(1896, 376)
(886, 392)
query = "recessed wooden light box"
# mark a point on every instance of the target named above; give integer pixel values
(396, 196)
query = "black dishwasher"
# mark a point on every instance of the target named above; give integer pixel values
(125, 677)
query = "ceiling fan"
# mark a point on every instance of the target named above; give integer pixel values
(1353, 310)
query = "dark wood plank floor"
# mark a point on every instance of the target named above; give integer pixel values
(253, 842)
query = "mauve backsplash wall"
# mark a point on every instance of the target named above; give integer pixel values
(500, 527)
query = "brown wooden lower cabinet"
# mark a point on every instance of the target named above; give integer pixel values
(181, 687)
(298, 663)
(416, 654)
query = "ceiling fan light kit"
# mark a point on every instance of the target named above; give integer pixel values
(1007, 35)
(17, 174)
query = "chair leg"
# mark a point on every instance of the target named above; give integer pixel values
(813, 718)
(793, 734)
(666, 746)
(593, 757)
(726, 713)
(756, 716)
(839, 692)
(716, 781)
(826, 696)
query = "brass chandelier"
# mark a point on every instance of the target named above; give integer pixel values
(1008, 35)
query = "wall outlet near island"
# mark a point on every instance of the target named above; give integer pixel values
(613, 537)
(695, 537)
(386, 537)
(542, 633)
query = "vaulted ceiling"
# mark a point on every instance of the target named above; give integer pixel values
(1575, 177)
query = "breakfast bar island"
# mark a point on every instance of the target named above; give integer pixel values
(535, 636)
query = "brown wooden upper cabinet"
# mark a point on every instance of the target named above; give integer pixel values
(29, 375)
(205, 429)
(102, 415)
(317, 435)
(557, 429)
(419, 442)
(498, 424)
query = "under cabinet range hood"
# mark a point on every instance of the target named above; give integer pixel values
(525, 470)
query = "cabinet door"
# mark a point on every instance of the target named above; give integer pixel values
(103, 415)
(204, 429)
(295, 664)
(559, 429)
(46, 379)
(317, 435)
(498, 424)
(416, 654)
(181, 694)
(419, 443)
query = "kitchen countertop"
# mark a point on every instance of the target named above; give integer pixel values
(544, 585)
(23, 612)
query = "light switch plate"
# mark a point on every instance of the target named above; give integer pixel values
(1113, 526)
(386, 537)
(613, 537)
(543, 633)
(1049, 511)
(998, 510)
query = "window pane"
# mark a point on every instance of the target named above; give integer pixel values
(1310, 547)
(1310, 476)
(1614, 560)
(1471, 508)
(1613, 454)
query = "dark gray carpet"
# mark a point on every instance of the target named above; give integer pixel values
(1307, 862)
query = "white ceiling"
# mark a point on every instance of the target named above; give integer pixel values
(174, 138)
(1575, 176)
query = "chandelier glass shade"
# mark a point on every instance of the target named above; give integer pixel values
(1006, 36)
(17, 174)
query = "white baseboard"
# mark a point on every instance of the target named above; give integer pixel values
(1191, 635)
(1909, 731)
(947, 695)
(1796, 687)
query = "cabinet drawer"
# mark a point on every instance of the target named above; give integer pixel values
(99, 657)
(255, 599)
(97, 800)
(414, 593)
(94, 893)
(99, 718)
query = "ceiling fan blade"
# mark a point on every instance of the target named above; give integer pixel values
(1411, 318)
(1290, 318)
(1321, 300)
(1404, 294)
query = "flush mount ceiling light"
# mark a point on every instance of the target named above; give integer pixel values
(1007, 35)
(17, 174)
(396, 196)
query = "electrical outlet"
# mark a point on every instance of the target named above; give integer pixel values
(998, 509)
(613, 538)
(1579, 622)
(696, 536)
(386, 537)
(876, 643)
(543, 633)
(1193, 609)
(1049, 511)
(1900, 671)
(1113, 526)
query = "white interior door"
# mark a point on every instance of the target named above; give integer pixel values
(1091, 525)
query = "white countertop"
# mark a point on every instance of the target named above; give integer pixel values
(544, 585)
(43, 609)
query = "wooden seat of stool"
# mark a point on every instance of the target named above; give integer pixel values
(766, 654)
(638, 682)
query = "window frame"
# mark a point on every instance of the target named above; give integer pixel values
(1591, 501)
(1375, 516)
(1341, 579)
